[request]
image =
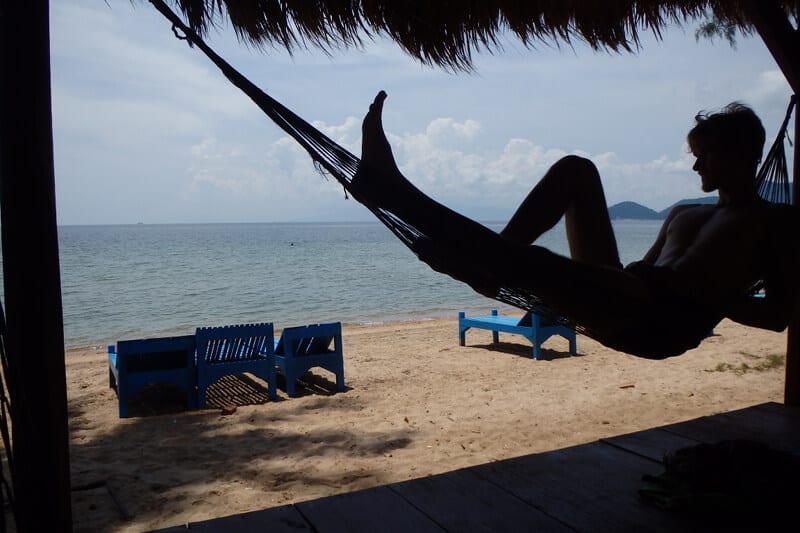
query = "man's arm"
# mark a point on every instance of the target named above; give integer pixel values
(774, 308)
(762, 312)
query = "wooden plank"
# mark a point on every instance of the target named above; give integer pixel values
(463, 501)
(366, 511)
(777, 417)
(284, 519)
(651, 443)
(774, 424)
(593, 487)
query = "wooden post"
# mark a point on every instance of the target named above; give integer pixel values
(35, 338)
(791, 393)
(783, 42)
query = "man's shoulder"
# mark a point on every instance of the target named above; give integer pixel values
(690, 209)
(693, 207)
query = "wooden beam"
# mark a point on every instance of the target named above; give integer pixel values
(781, 39)
(34, 335)
(791, 393)
(783, 42)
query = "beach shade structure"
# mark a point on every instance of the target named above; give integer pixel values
(533, 327)
(136, 364)
(302, 348)
(228, 350)
(445, 34)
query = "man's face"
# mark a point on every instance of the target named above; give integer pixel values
(716, 166)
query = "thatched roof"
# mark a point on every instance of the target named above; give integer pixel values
(448, 32)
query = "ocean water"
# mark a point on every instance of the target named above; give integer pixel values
(132, 281)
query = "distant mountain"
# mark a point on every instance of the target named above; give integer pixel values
(632, 210)
(640, 212)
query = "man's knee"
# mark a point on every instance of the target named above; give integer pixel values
(576, 164)
(579, 171)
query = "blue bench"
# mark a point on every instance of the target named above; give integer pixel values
(228, 350)
(135, 364)
(301, 348)
(194, 362)
(535, 328)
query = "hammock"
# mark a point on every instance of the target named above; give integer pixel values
(336, 161)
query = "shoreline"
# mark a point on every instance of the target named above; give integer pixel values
(416, 404)
(386, 320)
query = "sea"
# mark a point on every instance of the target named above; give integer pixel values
(147, 280)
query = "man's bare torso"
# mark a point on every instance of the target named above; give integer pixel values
(716, 247)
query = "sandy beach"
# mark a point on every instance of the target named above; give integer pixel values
(416, 404)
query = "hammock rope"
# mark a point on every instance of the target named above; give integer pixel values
(338, 162)
(328, 156)
(772, 180)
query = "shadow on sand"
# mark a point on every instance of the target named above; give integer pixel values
(160, 462)
(523, 350)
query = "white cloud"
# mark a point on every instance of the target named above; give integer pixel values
(769, 89)
(453, 174)
(444, 130)
(347, 134)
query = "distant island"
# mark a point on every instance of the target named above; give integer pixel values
(632, 210)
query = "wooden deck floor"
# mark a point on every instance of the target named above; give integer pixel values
(591, 487)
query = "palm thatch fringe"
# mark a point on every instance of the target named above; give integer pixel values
(447, 33)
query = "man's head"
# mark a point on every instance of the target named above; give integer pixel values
(728, 145)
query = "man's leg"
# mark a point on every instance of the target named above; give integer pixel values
(468, 251)
(572, 189)
(379, 183)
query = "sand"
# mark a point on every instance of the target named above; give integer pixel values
(416, 404)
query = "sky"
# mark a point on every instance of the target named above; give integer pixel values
(147, 130)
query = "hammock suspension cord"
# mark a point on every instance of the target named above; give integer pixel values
(772, 180)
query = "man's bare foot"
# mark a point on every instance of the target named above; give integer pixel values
(378, 182)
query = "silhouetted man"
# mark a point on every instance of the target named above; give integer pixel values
(702, 267)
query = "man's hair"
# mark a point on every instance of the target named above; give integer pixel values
(735, 127)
